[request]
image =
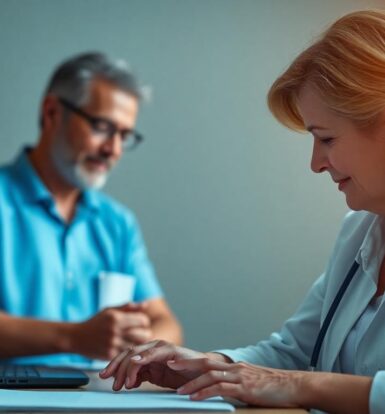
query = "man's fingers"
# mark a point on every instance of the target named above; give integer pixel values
(133, 307)
(138, 335)
(135, 320)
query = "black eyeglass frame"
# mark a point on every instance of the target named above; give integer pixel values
(125, 134)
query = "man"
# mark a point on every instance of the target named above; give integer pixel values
(57, 233)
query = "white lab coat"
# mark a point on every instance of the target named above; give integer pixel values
(362, 238)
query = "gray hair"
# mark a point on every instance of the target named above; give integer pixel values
(72, 78)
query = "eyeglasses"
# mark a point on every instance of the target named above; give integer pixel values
(105, 129)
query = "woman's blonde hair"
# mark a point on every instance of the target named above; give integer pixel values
(347, 68)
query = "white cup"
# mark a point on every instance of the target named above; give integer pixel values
(115, 289)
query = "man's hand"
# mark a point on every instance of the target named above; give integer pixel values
(110, 331)
(138, 329)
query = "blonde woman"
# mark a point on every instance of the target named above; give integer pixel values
(335, 89)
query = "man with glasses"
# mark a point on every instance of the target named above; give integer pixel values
(58, 233)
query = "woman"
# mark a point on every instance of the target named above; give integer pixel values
(336, 90)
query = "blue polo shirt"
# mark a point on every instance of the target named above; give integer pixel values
(48, 268)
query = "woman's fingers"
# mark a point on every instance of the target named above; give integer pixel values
(152, 362)
(126, 369)
(198, 364)
(109, 370)
(211, 373)
(114, 364)
(126, 374)
(207, 380)
(126, 366)
(158, 351)
(247, 383)
(223, 389)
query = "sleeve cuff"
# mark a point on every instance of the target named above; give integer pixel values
(377, 394)
(233, 355)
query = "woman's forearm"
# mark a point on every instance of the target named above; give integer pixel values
(335, 393)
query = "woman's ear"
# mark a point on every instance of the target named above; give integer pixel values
(376, 129)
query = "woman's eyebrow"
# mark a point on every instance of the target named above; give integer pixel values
(311, 127)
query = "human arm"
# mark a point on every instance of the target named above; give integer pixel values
(126, 326)
(291, 348)
(103, 336)
(151, 320)
(164, 324)
(97, 337)
(27, 336)
(148, 292)
(203, 375)
(149, 362)
(260, 386)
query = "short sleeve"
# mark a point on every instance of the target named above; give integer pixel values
(377, 394)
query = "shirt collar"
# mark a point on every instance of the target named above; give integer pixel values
(90, 199)
(34, 190)
(31, 186)
(372, 249)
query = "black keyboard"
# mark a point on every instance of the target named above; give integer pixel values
(18, 376)
(12, 374)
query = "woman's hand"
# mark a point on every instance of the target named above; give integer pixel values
(203, 375)
(150, 362)
(251, 384)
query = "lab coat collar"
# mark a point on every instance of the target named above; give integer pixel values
(359, 293)
(372, 249)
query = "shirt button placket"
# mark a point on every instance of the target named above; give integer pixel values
(69, 279)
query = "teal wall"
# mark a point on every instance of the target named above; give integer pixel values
(237, 225)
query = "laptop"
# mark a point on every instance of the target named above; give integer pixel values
(33, 376)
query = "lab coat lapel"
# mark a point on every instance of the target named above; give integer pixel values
(358, 294)
(352, 305)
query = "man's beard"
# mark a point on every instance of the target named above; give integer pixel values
(75, 173)
(86, 179)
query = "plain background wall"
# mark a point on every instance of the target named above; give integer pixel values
(235, 222)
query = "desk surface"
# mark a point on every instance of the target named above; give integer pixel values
(97, 384)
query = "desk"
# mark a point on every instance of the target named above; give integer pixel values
(96, 384)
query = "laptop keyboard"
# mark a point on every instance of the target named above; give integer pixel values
(17, 374)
